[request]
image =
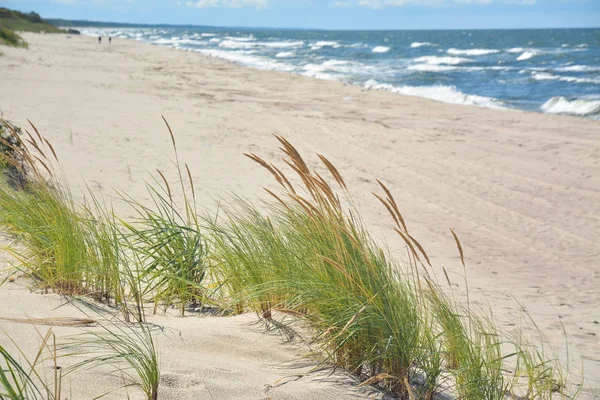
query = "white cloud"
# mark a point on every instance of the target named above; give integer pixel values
(226, 3)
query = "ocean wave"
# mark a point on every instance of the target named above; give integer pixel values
(248, 60)
(207, 34)
(380, 49)
(582, 107)
(432, 68)
(215, 40)
(578, 68)
(337, 67)
(163, 41)
(232, 44)
(527, 55)
(472, 52)
(416, 45)
(325, 43)
(544, 76)
(446, 94)
(285, 54)
(435, 60)
(241, 38)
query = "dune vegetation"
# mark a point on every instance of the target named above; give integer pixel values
(10, 38)
(25, 22)
(305, 257)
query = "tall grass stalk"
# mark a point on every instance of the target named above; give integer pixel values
(129, 349)
(166, 240)
(304, 255)
(21, 380)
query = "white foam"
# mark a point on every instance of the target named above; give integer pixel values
(214, 40)
(578, 68)
(447, 94)
(431, 68)
(337, 67)
(517, 50)
(527, 55)
(380, 49)
(207, 34)
(544, 76)
(435, 60)
(415, 45)
(241, 39)
(324, 43)
(285, 54)
(561, 105)
(248, 60)
(163, 41)
(233, 44)
(472, 52)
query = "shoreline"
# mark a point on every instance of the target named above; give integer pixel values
(337, 67)
(503, 180)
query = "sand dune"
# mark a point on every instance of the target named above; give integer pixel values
(522, 190)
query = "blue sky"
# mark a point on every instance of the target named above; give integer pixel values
(329, 14)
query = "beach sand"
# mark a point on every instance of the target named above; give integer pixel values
(521, 190)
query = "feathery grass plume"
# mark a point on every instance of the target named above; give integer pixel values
(167, 243)
(21, 380)
(388, 323)
(129, 348)
(307, 255)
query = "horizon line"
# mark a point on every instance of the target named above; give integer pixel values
(161, 24)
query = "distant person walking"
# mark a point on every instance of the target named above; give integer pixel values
(99, 39)
(109, 40)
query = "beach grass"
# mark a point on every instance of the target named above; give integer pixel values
(304, 256)
(20, 378)
(9, 38)
(166, 240)
(130, 349)
(389, 323)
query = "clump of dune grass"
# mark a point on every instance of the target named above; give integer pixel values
(40, 213)
(22, 380)
(10, 38)
(167, 242)
(130, 349)
(65, 247)
(389, 323)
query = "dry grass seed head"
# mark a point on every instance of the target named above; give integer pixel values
(393, 204)
(277, 198)
(166, 184)
(191, 181)
(336, 175)
(289, 186)
(266, 166)
(460, 249)
(35, 130)
(170, 132)
(421, 249)
(293, 154)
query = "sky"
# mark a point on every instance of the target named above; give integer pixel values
(328, 14)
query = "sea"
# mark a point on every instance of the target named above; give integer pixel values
(555, 71)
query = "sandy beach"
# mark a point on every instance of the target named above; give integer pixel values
(521, 190)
